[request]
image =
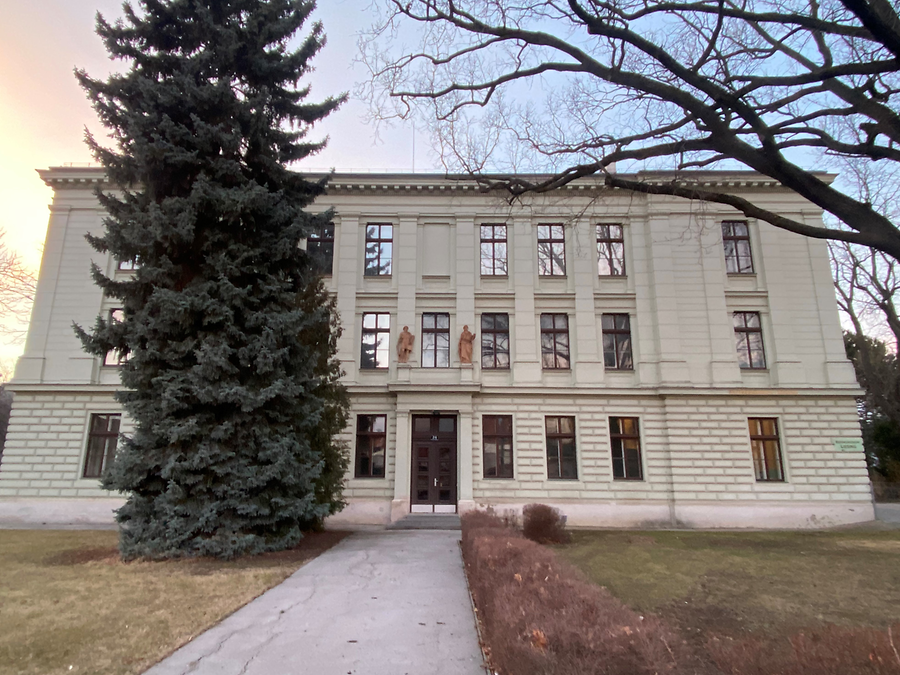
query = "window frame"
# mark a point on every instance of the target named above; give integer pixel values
(614, 333)
(745, 330)
(435, 331)
(318, 241)
(107, 454)
(376, 331)
(608, 241)
(547, 248)
(558, 436)
(736, 239)
(365, 449)
(622, 437)
(115, 353)
(493, 243)
(491, 335)
(127, 265)
(380, 241)
(761, 467)
(552, 333)
(497, 437)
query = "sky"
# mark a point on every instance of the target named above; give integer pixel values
(43, 111)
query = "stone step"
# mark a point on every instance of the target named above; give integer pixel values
(427, 521)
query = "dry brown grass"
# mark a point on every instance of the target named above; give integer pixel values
(69, 605)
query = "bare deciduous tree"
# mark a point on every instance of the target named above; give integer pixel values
(17, 285)
(576, 86)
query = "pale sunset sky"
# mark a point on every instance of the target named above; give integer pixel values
(43, 111)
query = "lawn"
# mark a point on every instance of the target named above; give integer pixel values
(69, 605)
(748, 583)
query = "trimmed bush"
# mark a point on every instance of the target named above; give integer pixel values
(544, 524)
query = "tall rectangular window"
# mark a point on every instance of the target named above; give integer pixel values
(551, 250)
(493, 250)
(435, 340)
(610, 251)
(736, 239)
(495, 341)
(562, 461)
(555, 341)
(103, 436)
(114, 357)
(766, 448)
(497, 442)
(625, 442)
(371, 441)
(379, 249)
(748, 336)
(617, 341)
(376, 338)
(320, 247)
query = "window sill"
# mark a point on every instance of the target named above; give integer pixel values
(498, 478)
(628, 480)
(369, 478)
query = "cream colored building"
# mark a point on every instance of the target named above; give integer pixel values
(636, 360)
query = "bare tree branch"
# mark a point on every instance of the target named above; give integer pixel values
(582, 87)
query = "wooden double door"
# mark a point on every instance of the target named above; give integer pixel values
(434, 474)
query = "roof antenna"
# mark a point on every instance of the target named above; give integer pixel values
(414, 148)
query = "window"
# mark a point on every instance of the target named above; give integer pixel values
(379, 247)
(493, 250)
(435, 340)
(376, 338)
(495, 341)
(371, 440)
(115, 357)
(497, 445)
(625, 442)
(748, 335)
(103, 435)
(551, 251)
(736, 238)
(320, 247)
(610, 251)
(127, 265)
(617, 341)
(766, 448)
(555, 341)
(561, 459)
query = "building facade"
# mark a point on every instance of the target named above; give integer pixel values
(633, 360)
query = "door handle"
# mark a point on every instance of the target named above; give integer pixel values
(435, 482)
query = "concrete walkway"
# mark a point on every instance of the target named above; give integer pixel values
(378, 603)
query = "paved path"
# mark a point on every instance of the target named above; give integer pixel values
(378, 603)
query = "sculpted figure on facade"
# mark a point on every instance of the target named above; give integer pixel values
(405, 345)
(466, 339)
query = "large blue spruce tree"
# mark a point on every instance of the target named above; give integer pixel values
(228, 333)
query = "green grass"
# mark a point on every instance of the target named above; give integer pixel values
(759, 581)
(69, 605)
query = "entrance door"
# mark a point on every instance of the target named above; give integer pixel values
(434, 463)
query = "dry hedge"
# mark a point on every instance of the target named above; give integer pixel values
(540, 616)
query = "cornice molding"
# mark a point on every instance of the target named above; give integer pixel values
(70, 177)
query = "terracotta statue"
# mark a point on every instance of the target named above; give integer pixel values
(405, 345)
(465, 345)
